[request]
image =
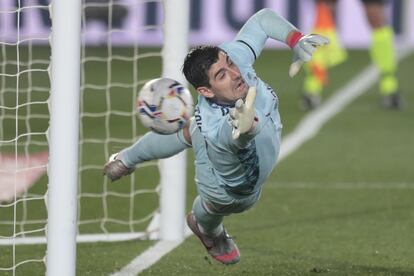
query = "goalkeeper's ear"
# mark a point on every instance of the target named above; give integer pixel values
(205, 92)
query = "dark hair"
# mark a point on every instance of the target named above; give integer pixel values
(197, 63)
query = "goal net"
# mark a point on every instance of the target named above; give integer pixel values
(120, 51)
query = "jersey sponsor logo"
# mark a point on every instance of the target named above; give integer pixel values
(197, 117)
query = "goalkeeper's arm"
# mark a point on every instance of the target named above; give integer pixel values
(149, 147)
(266, 23)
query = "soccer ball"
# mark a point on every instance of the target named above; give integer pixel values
(164, 105)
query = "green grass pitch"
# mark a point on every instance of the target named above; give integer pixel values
(342, 204)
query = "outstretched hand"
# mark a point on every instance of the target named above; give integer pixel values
(303, 50)
(115, 169)
(243, 114)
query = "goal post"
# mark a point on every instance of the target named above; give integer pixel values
(173, 181)
(63, 137)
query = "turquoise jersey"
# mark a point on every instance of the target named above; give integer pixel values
(227, 168)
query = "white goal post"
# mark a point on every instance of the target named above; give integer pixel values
(173, 180)
(63, 138)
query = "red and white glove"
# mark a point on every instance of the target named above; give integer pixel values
(303, 47)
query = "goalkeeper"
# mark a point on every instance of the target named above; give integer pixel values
(236, 130)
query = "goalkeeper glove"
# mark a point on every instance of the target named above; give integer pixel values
(243, 114)
(303, 47)
(115, 169)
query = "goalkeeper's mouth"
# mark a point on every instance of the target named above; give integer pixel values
(241, 86)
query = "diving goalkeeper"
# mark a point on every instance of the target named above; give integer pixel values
(236, 130)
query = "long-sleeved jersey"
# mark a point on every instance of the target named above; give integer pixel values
(226, 168)
(239, 167)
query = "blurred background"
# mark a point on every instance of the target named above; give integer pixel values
(211, 21)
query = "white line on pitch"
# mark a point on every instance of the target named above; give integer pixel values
(342, 185)
(307, 128)
(150, 256)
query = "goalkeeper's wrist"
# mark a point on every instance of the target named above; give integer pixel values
(293, 38)
(125, 161)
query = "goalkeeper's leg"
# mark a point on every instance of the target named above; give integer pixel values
(208, 227)
(209, 222)
(206, 222)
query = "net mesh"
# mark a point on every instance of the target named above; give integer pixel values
(115, 65)
(113, 71)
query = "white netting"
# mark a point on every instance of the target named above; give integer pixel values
(24, 92)
(113, 70)
(114, 67)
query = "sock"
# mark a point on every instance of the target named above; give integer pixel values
(315, 79)
(324, 57)
(209, 224)
(383, 55)
(215, 232)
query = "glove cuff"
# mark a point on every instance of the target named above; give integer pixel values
(293, 38)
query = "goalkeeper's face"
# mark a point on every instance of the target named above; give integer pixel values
(226, 82)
